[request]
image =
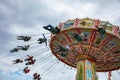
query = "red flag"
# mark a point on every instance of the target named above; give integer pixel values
(109, 75)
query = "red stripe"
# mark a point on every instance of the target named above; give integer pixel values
(76, 22)
(61, 42)
(108, 51)
(91, 41)
(97, 22)
(79, 32)
(68, 38)
(103, 44)
(115, 29)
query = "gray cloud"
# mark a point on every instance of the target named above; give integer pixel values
(28, 16)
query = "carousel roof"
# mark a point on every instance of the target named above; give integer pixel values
(104, 49)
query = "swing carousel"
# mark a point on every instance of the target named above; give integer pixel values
(88, 45)
(92, 45)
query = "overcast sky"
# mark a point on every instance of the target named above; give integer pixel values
(18, 17)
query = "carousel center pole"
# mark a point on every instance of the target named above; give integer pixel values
(86, 69)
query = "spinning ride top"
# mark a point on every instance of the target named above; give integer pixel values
(90, 45)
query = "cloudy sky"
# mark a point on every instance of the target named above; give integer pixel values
(26, 17)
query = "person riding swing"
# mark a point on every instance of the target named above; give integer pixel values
(24, 38)
(54, 30)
